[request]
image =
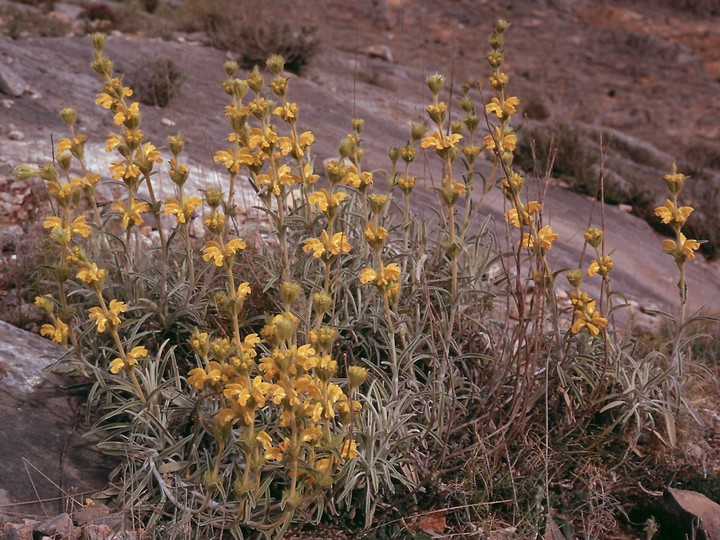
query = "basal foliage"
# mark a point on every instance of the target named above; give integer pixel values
(358, 356)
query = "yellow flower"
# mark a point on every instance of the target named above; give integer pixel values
(64, 235)
(130, 360)
(53, 222)
(512, 216)
(182, 211)
(277, 453)
(78, 226)
(90, 273)
(57, 332)
(242, 395)
(126, 169)
(439, 141)
(104, 319)
(375, 235)
(589, 320)
(507, 143)
(602, 266)
(391, 272)
(545, 239)
(45, 303)
(309, 175)
(367, 275)
(685, 251)
(131, 216)
(668, 213)
(358, 180)
(115, 309)
(112, 142)
(349, 449)
(287, 112)
(507, 108)
(323, 200)
(580, 299)
(243, 291)
(325, 247)
(124, 114)
(224, 254)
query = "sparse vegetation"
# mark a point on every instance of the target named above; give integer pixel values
(253, 32)
(157, 82)
(560, 151)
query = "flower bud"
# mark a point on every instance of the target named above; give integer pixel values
(255, 80)
(231, 66)
(594, 237)
(457, 127)
(102, 65)
(435, 83)
(674, 180)
(64, 161)
(417, 131)
(393, 154)
(356, 376)
(239, 88)
(49, 173)
(495, 59)
(471, 123)
(466, 104)
(321, 302)
(176, 144)
(289, 292)
(495, 40)
(179, 174)
(285, 325)
(345, 148)
(323, 339)
(24, 172)
(69, 115)
(574, 277)
(408, 153)
(377, 203)
(358, 124)
(98, 41)
(275, 64)
(501, 25)
(213, 197)
(200, 343)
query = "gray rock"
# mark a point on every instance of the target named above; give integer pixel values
(9, 534)
(382, 52)
(61, 525)
(10, 236)
(16, 135)
(43, 455)
(688, 514)
(94, 531)
(89, 514)
(69, 11)
(11, 83)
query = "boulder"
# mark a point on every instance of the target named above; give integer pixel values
(688, 514)
(382, 52)
(11, 83)
(46, 464)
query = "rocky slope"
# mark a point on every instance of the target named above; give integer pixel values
(626, 75)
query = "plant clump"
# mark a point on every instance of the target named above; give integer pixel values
(384, 366)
